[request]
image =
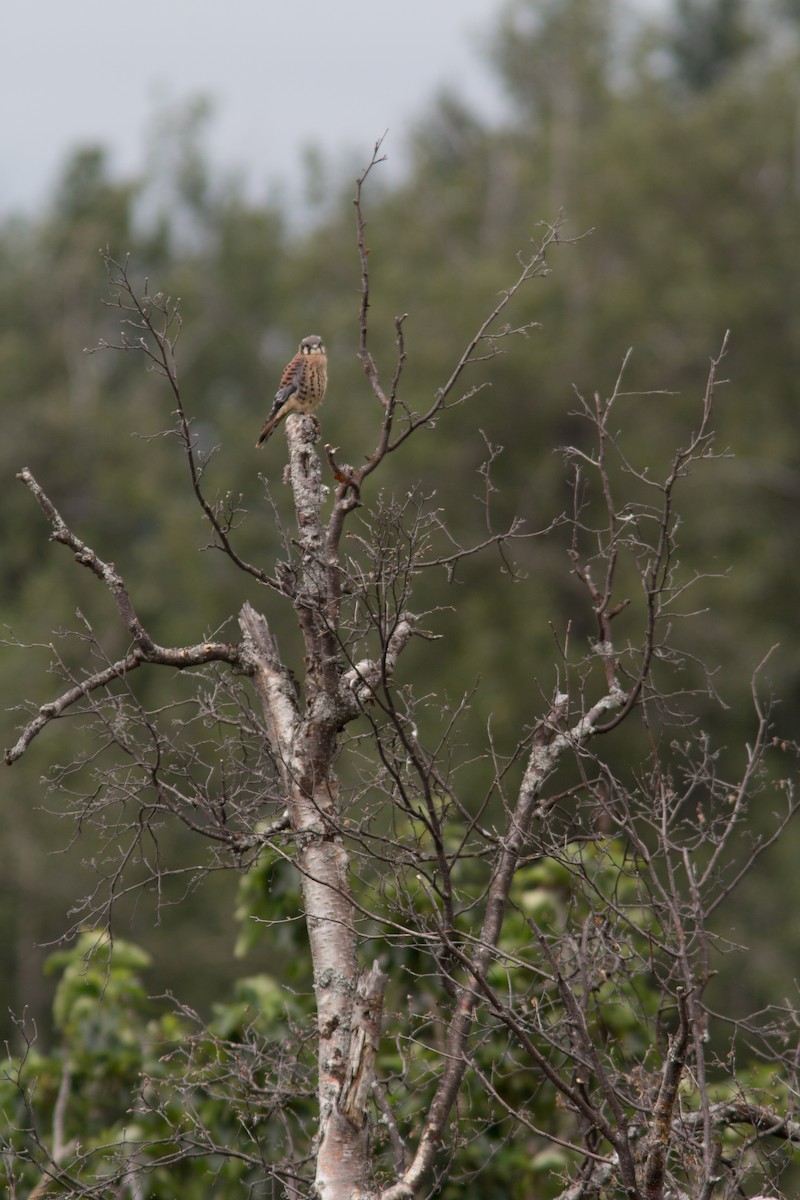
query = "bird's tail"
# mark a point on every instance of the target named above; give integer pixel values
(265, 433)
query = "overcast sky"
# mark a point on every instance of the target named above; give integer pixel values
(283, 74)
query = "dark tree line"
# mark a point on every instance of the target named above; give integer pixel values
(501, 953)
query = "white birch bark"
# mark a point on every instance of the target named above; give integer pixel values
(304, 738)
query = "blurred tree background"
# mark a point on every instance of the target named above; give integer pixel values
(674, 147)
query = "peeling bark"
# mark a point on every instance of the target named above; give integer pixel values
(360, 1073)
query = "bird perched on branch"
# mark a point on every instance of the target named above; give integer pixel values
(302, 385)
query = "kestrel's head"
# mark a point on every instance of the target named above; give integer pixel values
(312, 345)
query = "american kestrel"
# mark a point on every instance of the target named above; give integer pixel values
(302, 386)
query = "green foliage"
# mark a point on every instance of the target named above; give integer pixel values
(90, 972)
(269, 900)
(130, 1088)
(130, 1085)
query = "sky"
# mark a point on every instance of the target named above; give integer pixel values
(282, 75)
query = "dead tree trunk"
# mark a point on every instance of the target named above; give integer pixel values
(304, 732)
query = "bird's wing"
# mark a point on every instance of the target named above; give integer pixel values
(290, 381)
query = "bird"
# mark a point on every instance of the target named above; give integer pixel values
(302, 386)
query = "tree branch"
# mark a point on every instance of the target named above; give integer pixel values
(548, 746)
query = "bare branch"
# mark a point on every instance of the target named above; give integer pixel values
(156, 323)
(674, 1065)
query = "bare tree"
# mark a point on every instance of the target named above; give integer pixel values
(531, 960)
